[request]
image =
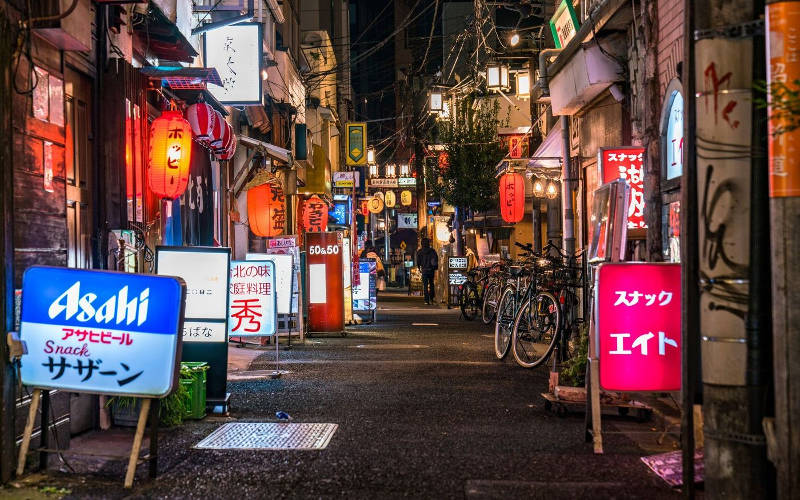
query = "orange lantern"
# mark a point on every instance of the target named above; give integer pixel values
(315, 215)
(512, 197)
(266, 210)
(170, 152)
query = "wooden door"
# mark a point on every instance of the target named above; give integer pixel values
(79, 168)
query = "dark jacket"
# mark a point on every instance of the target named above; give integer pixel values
(427, 260)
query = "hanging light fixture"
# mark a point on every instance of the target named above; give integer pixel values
(523, 85)
(170, 152)
(391, 170)
(552, 190)
(373, 170)
(538, 188)
(405, 170)
(435, 100)
(497, 76)
(371, 155)
(266, 210)
(514, 39)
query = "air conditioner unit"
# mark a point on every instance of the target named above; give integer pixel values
(68, 33)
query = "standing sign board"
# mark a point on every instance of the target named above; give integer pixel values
(101, 332)
(325, 283)
(626, 163)
(639, 326)
(206, 271)
(284, 280)
(365, 298)
(356, 143)
(253, 306)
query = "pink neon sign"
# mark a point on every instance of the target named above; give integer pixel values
(627, 163)
(639, 326)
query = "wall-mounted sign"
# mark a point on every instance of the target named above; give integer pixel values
(406, 198)
(100, 332)
(564, 24)
(286, 242)
(406, 221)
(674, 143)
(375, 204)
(639, 326)
(356, 143)
(406, 181)
(341, 212)
(626, 163)
(457, 262)
(383, 183)
(235, 52)
(253, 307)
(390, 199)
(346, 179)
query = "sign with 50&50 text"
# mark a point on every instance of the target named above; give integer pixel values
(253, 306)
(101, 332)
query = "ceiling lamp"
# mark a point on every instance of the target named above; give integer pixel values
(514, 39)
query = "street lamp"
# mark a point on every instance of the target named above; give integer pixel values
(497, 76)
(523, 85)
(514, 39)
(435, 101)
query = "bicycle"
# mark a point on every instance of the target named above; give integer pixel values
(471, 299)
(491, 293)
(508, 304)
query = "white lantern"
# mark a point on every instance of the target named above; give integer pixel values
(523, 85)
(442, 232)
(370, 156)
(435, 101)
(497, 76)
(391, 170)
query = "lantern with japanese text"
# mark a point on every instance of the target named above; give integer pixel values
(315, 215)
(266, 210)
(201, 117)
(512, 197)
(170, 152)
(217, 130)
(405, 198)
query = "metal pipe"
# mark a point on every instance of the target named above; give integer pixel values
(567, 194)
(544, 82)
(386, 236)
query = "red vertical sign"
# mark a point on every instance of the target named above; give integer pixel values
(627, 163)
(325, 281)
(639, 326)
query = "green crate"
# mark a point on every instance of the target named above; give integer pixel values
(195, 404)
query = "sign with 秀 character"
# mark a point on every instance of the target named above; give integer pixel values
(252, 311)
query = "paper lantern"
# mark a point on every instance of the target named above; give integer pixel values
(512, 197)
(227, 138)
(375, 205)
(230, 150)
(201, 118)
(442, 232)
(390, 199)
(217, 130)
(405, 198)
(315, 215)
(170, 152)
(266, 210)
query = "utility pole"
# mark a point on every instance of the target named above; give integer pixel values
(784, 208)
(733, 279)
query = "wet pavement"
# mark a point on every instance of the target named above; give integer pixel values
(424, 410)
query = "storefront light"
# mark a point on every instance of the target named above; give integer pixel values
(552, 190)
(497, 76)
(523, 85)
(538, 188)
(391, 170)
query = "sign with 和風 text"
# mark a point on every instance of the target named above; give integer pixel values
(639, 326)
(253, 307)
(235, 52)
(101, 332)
(626, 163)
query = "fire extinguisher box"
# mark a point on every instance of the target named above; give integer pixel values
(325, 284)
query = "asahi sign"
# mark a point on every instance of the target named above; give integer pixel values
(101, 332)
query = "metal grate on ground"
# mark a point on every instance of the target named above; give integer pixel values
(269, 436)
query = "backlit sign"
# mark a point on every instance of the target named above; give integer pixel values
(639, 326)
(626, 163)
(235, 52)
(564, 24)
(253, 304)
(100, 332)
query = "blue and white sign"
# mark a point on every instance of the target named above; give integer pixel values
(101, 332)
(365, 294)
(253, 310)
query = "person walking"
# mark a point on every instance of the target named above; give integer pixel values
(428, 263)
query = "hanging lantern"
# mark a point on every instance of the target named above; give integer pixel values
(442, 232)
(170, 152)
(552, 190)
(389, 199)
(373, 170)
(497, 76)
(315, 215)
(217, 130)
(512, 197)
(405, 169)
(370, 155)
(435, 100)
(375, 205)
(230, 151)
(405, 198)
(391, 171)
(201, 117)
(538, 188)
(227, 138)
(523, 85)
(266, 210)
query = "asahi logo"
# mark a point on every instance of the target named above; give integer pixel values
(116, 308)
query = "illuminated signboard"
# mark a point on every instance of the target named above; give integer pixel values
(100, 332)
(235, 52)
(346, 179)
(639, 326)
(253, 304)
(365, 292)
(407, 181)
(383, 182)
(285, 286)
(674, 144)
(564, 24)
(457, 262)
(406, 221)
(626, 163)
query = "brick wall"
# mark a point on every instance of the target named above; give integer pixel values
(670, 40)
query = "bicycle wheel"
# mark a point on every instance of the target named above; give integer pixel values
(489, 306)
(536, 329)
(469, 303)
(504, 322)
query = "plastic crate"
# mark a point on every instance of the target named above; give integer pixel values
(195, 404)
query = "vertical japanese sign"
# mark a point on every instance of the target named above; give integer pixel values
(315, 215)
(564, 24)
(639, 326)
(626, 163)
(783, 53)
(101, 332)
(253, 304)
(356, 143)
(235, 52)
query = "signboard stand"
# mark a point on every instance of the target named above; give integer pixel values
(456, 276)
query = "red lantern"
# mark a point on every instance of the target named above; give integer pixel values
(227, 138)
(217, 130)
(315, 215)
(512, 197)
(170, 152)
(201, 117)
(230, 150)
(266, 210)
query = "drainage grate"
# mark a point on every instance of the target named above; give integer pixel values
(269, 436)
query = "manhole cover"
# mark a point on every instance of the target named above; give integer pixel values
(269, 436)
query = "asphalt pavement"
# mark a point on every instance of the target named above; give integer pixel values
(424, 410)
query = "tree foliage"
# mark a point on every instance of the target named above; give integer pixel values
(467, 179)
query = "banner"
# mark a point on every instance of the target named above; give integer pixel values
(356, 143)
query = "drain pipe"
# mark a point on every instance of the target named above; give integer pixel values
(566, 172)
